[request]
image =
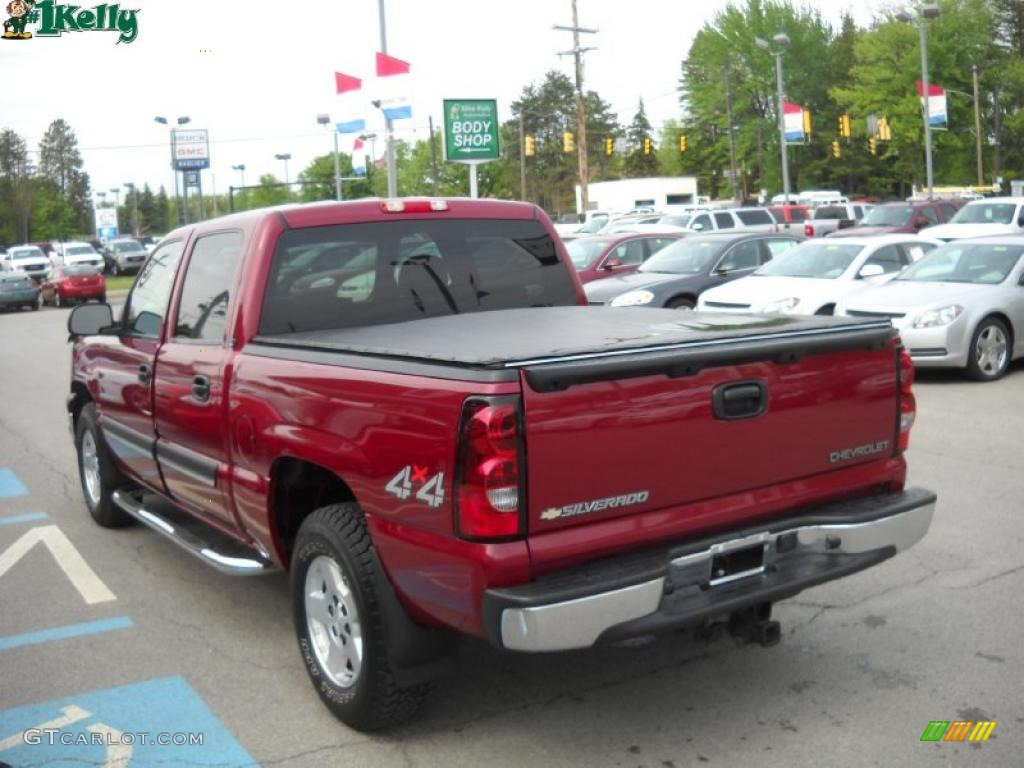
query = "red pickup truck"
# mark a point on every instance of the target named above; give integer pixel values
(407, 406)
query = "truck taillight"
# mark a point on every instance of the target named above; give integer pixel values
(808, 230)
(488, 475)
(413, 206)
(908, 404)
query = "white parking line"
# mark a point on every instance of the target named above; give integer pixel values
(81, 576)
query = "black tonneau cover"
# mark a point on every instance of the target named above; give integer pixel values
(591, 343)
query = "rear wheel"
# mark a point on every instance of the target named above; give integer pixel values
(102, 298)
(340, 625)
(56, 298)
(99, 475)
(681, 302)
(989, 355)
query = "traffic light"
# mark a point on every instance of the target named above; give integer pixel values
(568, 144)
(844, 126)
(873, 145)
(837, 150)
(682, 142)
(884, 129)
(647, 145)
(609, 146)
(529, 147)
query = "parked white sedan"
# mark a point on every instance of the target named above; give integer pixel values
(961, 306)
(812, 277)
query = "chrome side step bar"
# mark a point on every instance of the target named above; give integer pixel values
(209, 545)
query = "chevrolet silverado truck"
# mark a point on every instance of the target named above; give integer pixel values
(407, 406)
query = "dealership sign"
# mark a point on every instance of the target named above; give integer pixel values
(190, 149)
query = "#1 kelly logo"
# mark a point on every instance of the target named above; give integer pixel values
(55, 19)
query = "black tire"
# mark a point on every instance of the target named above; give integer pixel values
(102, 508)
(681, 302)
(981, 367)
(103, 298)
(372, 699)
(56, 299)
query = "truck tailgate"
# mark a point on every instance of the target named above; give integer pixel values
(608, 437)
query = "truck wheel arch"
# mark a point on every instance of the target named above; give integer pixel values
(77, 400)
(297, 489)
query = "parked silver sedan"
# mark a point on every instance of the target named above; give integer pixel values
(961, 306)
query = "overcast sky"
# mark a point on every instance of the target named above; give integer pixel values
(256, 74)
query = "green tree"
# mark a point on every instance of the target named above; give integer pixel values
(15, 188)
(548, 110)
(638, 134)
(269, 192)
(883, 82)
(60, 164)
(729, 41)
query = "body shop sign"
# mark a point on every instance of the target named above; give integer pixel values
(470, 130)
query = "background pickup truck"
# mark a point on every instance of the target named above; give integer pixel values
(404, 405)
(826, 219)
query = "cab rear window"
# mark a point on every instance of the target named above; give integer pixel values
(353, 275)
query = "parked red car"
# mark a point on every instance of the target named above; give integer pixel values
(897, 218)
(615, 255)
(73, 283)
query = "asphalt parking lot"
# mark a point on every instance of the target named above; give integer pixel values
(120, 630)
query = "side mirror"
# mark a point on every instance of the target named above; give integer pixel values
(726, 268)
(871, 270)
(697, 227)
(89, 319)
(611, 264)
(921, 222)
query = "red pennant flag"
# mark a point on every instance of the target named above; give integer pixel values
(358, 145)
(933, 89)
(345, 83)
(389, 65)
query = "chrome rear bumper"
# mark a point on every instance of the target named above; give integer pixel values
(784, 559)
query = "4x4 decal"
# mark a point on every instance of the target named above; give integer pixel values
(431, 489)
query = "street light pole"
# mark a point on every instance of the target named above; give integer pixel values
(925, 12)
(285, 156)
(977, 127)
(782, 42)
(177, 203)
(388, 125)
(927, 110)
(325, 120)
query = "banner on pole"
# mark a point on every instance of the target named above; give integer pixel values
(793, 120)
(938, 116)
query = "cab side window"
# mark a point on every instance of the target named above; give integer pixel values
(890, 258)
(703, 222)
(631, 252)
(147, 304)
(724, 221)
(203, 310)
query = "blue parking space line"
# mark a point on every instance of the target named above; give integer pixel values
(26, 518)
(10, 485)
(158, 722)
(62, 633)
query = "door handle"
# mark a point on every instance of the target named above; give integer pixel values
(145, 372)
(201, 388)
(739, 400)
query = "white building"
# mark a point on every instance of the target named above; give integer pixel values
(660, 193)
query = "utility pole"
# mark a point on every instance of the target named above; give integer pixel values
(522, 158)
(388, 125)
(433, 153)
(977, 128)
(581, 114)
(732, 137)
